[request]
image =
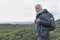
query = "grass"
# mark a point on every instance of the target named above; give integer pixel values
(23, 32)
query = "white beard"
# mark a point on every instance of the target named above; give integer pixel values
(39, 12)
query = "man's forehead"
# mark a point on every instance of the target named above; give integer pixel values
(38, 5)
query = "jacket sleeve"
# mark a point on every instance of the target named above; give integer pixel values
(46, 21)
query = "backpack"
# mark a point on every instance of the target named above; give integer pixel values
(52, 25)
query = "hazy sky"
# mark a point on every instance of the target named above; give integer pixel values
(23, 10)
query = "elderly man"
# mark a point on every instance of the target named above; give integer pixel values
(43, 22)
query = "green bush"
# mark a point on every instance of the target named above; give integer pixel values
(23, 32)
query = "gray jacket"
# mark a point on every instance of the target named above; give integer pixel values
(42, 26)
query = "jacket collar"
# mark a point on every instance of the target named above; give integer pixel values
(43, 11)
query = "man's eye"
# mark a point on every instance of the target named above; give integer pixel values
(37, 8)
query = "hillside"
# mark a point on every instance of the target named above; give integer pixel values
(57, 23)
(24, 32)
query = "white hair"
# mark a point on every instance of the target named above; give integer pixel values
(38, 5)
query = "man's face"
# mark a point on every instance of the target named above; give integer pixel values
(38, 9)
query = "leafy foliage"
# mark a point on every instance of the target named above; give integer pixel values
(23, 32)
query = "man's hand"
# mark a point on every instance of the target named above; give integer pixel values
(37, 20)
